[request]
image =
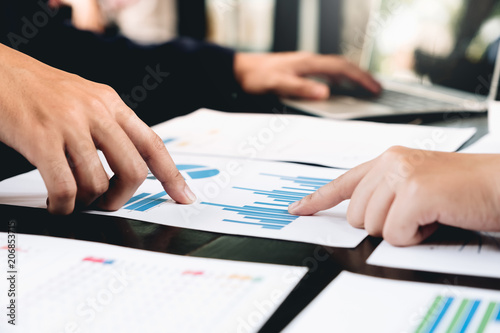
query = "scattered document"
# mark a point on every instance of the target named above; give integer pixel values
(488, 144)
(476, 254)
(240, 197)
(295, 138)
(356, 303)
(76, 286)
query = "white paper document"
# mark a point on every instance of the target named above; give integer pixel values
(488, 144)
(241, 197)
(477, 254)
(64, 285)
(296, 138)
(356, 303)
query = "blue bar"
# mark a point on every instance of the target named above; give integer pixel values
(288, 201)
(270, 204)
(297, 178)
(469, 317)
(313, 186)
(297, 189)
(284, 197)
(498, 313)
(272, 227)
(153, 203)
(267, 226)
(449, 300)
(145, 201)
(270, 220)
(270, 194)
(290, 193)
(317, 179)
(270, 210)
(266, 215)
(137, 197)
(250, 211)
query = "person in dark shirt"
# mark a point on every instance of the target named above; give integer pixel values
(57, 120)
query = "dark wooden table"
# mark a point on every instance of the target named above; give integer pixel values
(324, 263)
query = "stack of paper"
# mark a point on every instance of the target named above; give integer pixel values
(278, 137)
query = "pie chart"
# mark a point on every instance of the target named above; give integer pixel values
(197, 171)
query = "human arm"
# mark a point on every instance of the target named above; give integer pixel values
(404, 194)
(56, 120)
(85, 14)
(286, 74)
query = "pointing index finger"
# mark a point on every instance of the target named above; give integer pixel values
(332, 193)
(156, 156)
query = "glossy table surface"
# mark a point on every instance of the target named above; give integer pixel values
(324, 263)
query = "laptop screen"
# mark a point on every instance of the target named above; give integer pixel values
(452, 43)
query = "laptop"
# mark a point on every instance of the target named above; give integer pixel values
(431, 56)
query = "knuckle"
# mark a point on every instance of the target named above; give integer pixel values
(98, 187)
(157, 142)
(107, 92)
(64, 190)
(173, 176)
(136, 173)
(153, 147)
(395, 152)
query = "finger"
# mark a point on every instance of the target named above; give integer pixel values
(290, 85)
(129, 168)
(409, 221)
(335, 66)
(332, 193)
(58, 179)
(360, 197)
(153, 151)
(91, 178)
(377, 208)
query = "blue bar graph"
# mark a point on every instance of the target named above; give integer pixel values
(498, 313)
(148, 202)
(472, 310)
(137, 197)
(274, 214)
(440, 316)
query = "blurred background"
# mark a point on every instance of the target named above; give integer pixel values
(323, 26)
(419, 40)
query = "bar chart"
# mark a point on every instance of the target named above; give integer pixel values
(360, 303)
(144, 201)
(454, 315)
(235, 196)
(273, 214)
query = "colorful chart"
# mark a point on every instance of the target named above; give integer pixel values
(274, 214)
(454, 315)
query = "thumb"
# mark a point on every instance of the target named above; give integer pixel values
(297, 86)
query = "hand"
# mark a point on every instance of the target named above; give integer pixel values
(283, 74)
(85, 14)
(56, 120)
(403, 193)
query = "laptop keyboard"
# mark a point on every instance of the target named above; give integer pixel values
(406, 102)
